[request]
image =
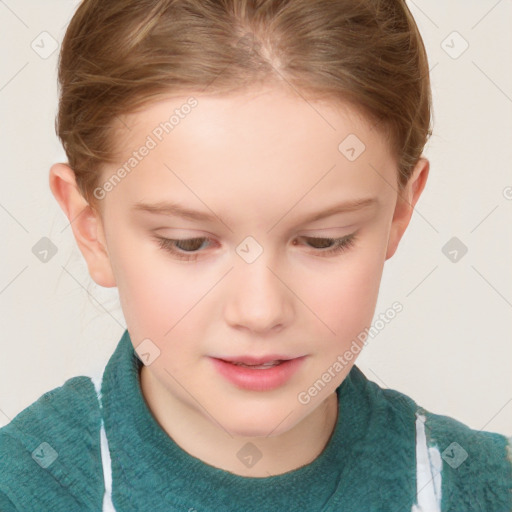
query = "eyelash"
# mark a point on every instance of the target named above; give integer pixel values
(340, 245)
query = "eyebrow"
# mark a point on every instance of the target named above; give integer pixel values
(177, 210)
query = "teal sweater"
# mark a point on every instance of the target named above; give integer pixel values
(92, 445)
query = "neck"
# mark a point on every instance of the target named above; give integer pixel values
(198, 436)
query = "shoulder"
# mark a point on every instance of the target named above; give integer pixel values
(476, 465)
(474, 450)
(50, 453)
(464, 469)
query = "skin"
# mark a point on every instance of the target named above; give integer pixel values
(261, 161)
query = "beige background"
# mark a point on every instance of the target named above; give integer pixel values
(450, 348)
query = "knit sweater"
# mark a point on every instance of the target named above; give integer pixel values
(92, 444)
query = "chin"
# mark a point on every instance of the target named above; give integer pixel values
(269, 425)
(252, 431)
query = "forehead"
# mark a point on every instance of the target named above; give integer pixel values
(248, 146)
(264, 110)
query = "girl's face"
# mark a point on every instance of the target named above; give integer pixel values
(260, 277)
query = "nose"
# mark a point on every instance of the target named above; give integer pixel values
(258, 299)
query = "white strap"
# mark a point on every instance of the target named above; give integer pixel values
(108, 506)
(428, 472)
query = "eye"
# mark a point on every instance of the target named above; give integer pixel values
(188, 249)
(188, 245)
(331, 246)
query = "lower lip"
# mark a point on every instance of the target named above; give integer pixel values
(258, 380)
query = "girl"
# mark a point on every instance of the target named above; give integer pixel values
(241, 170)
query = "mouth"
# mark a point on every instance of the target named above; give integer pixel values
(257, 366)
(248, 360)
(258, 375)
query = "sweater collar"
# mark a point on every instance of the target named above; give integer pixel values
(150, 469)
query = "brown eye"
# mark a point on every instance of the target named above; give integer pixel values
(185, 249)
(321, 243)
(189, 244)
(330, 246)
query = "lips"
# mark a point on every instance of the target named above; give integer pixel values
(271, 374)
(256, 361)
(262, 366)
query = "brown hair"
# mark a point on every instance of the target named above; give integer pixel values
(118, 56)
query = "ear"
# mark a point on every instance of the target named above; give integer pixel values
(406, 200)
(85, 222)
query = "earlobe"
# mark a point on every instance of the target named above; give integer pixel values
(85, 222)
(406, 200)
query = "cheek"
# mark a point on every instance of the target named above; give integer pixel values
(155, 292)
(345, 295)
